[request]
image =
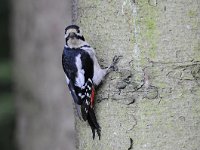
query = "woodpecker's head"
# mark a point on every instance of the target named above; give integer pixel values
(73, 36)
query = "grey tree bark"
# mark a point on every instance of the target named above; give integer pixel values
(44, 111)
(153, 100)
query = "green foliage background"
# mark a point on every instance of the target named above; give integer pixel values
(6, 95)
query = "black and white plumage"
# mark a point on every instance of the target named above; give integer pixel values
(83, 73)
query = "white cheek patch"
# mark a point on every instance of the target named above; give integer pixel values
(66, 35)
(80, 31)
(78, 34)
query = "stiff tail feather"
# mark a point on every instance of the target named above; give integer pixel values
(91, 118)
(87, 107)
(93, 123)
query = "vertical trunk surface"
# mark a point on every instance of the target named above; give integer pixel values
(153, 100)
(44, 113)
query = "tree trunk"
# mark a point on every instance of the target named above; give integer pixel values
(153, 100)
(44, 112)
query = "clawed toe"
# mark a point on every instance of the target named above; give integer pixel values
(113, 66)
(116, 59)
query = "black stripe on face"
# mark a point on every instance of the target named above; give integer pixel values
(76, 36)
(80, 37)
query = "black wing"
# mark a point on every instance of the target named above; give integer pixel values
(71, 71)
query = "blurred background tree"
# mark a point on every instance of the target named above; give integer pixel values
(31, 75)
(6, 92)
(44, 118)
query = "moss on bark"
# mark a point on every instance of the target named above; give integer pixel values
(158, 106)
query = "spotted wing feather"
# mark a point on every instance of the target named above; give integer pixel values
(85, 107)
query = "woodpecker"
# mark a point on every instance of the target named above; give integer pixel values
(83, 74)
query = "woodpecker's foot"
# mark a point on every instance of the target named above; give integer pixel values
(113, 66)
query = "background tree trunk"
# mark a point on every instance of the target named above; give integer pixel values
(153, 100)
(44, 113)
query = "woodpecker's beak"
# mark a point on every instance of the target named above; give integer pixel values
(72, 35)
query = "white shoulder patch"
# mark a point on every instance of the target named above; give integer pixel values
(80, 79)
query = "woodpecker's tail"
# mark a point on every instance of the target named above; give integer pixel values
(87, 107)
(91, 118)
(89, 115)
(93, 123)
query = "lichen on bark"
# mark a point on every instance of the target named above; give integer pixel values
(153, 98)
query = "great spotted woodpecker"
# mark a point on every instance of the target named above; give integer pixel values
(83, 74)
